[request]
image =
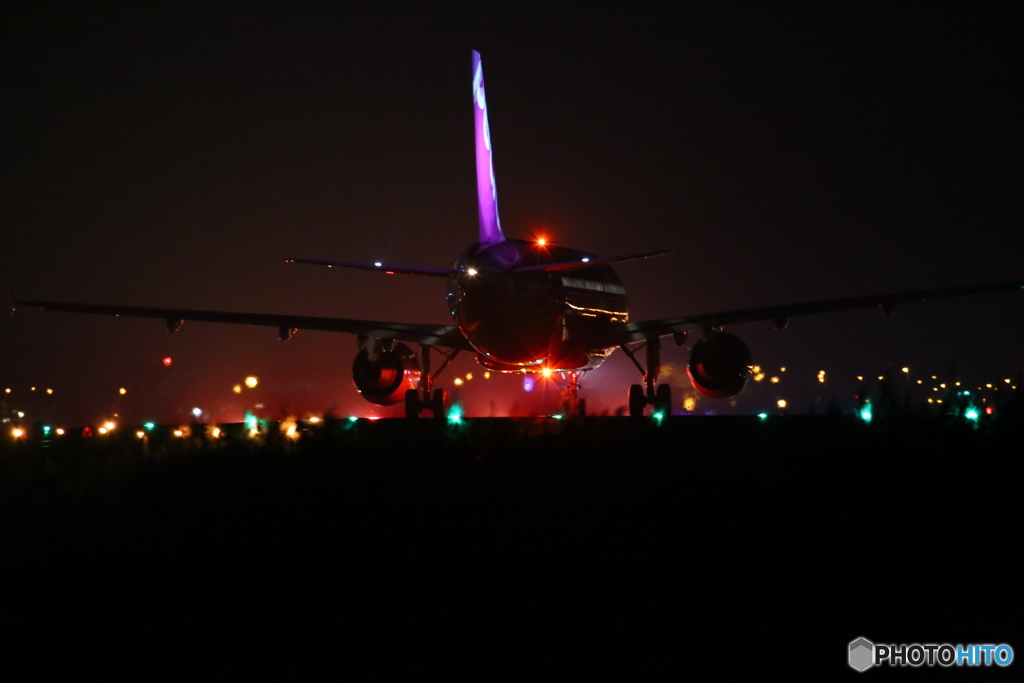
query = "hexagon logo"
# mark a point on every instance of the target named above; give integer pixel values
(862, 654)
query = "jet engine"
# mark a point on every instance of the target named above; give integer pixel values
(719, 365)
(385, 376)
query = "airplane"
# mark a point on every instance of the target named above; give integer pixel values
(527, 306)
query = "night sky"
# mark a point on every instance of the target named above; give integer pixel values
(786, 153)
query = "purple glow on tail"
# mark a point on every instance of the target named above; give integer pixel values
(486, 190)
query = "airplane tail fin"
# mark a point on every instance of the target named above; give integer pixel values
(486, 191)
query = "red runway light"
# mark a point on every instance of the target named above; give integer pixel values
(167, 361)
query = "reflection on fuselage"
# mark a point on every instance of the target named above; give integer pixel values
(523, 320)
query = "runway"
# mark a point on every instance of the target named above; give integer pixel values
(583, 545)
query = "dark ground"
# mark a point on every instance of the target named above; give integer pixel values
(516, 548)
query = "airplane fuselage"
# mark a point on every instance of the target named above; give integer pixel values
(523, 320)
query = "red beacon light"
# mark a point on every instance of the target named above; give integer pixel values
(167, 361)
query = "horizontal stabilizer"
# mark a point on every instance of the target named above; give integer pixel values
(389, 268)
(588, 262)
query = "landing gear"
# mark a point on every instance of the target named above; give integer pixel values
(641, 396)
(420, 398)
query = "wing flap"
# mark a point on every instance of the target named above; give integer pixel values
(437, 335)
(638, 331)
(389, 268)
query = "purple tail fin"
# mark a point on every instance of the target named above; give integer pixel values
(486, 191)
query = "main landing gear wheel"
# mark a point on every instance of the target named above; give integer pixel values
(439, 405)
(412, 403)
(637, 401)
(423, 398)
(650, 393)
(663, 400)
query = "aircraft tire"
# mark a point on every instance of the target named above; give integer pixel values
(439, 406)
(412, 403)
(637, 401)
(664, 399)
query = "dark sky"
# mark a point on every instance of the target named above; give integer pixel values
(786, 153)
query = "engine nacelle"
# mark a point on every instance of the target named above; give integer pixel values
(719, 366)
(385, 380)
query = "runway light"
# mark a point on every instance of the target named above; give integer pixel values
(237, 388)
(49, 391)
(774, 380)
(471, 272)
(457, 381)
(251, 381)
(167, 361)
(860, 378)
(141, 434)
(931, 400)
(469, 376)
(59, 431)
(906, 370)
(784, 369)
(1007, 381)
(546, 372)
(988, 386)
(377, 263)
(122, 391)
(17, 432)
(919, 381)
(585, 259)
(781, 403)
(487, 375)
(943, 386)
(109, 426)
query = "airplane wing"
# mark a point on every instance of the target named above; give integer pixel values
(638, 331)
(435, 335)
